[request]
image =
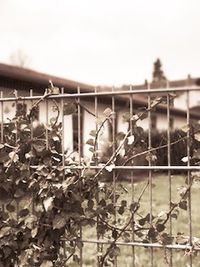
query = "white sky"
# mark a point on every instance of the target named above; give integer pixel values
(103, 41)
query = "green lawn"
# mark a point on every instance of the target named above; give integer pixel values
(160, 203)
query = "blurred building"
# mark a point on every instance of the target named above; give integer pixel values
(28, 82)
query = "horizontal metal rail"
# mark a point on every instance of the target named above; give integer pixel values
(112, 93)
(103, 167)
(140, 244)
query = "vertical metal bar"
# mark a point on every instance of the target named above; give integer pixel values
(16, 137)
(113, 150)
(150, 172)
(2, 118)
(79, 152)
(31, 121)
(132, 182)
(63, 132)
(2, 137)
(63, 151)
(169, 164)
(47, 121)
(99, 247)
(189, 180)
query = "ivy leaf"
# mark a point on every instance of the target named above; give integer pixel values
(58, 222)
(93, 133)
(160, 227)
(48, 203)
(166, 239)
(13, 156)
(109, 168)
(10, 208)
(181, 239)
(120, 136)
(183, 205)
(4, 231)
(131, 139)
(156, 101)
(46, 263)
(39, 146)
(142, 115)
(90, 204)
(69, 109)
(90, 142)
(114, 234)
(2, 146)
(23, 212)
(126, 117)
(107, 112)
(197, 136)
(185, 128)
(184, 159)
(121, 210)
(34, 232)
(26, 201)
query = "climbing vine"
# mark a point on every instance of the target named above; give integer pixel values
(48, 195)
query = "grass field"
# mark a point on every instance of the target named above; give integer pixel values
(160, 203)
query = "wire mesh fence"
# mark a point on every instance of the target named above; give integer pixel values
(130, 228)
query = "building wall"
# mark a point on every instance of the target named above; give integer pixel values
(89, 122)
(181, 100)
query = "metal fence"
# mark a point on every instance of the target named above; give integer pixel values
(113, 100)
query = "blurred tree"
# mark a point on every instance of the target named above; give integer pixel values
(158, 74)
(19, 58)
